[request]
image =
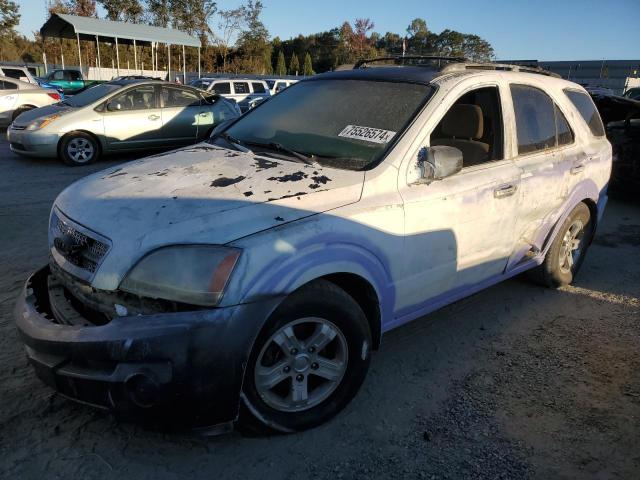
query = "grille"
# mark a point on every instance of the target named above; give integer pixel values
(76, 245)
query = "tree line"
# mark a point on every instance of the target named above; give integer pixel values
(233, 40)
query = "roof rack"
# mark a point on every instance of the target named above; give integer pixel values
(457, 67)
(413, 60)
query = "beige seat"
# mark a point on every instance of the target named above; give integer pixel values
(463, 125)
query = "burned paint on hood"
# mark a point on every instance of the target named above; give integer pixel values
(198, 194)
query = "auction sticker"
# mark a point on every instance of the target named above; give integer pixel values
(368, 134)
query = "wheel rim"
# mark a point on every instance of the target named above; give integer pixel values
(80, 150)
(301, 364)
(571, 247)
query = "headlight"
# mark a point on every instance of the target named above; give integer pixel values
(194, 274)
(42, 122)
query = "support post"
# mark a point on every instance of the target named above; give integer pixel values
(168, 62)
(184, 67)
(79, 52)
(199, 73)
(117, 57)
(135, 55)
(61, 54)
(98, 62)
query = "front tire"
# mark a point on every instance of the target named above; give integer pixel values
(79, 148)
(308, 362)
(568, 250)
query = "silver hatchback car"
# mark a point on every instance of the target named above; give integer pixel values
(119, 116)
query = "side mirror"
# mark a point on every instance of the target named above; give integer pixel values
(436, 163)
(114, 106)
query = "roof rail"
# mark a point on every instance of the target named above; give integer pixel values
(413, 60)
(457, 67)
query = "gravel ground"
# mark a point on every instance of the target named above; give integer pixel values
(517, 381)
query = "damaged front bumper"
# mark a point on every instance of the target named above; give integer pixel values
(183, 368)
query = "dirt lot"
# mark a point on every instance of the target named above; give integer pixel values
(517, 381)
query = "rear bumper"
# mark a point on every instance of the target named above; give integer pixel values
(183, 368)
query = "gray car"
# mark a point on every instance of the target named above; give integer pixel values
(17, 97)
(119, 116)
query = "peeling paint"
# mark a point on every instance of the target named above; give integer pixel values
(292, 177)
(225, 182)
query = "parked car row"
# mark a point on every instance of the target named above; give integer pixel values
(117, 116)
(24, 75)
(247, 278)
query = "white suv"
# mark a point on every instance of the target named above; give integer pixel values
(242, 90)
(260, 268)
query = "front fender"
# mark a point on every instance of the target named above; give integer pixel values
(297, 264)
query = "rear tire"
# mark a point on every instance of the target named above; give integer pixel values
(79, 148)
(568, 250)
(311, 358)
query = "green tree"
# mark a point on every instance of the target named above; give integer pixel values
(281, 67)
(308, 66)
(159, 12)
(294, 65)
(123, 10)
(229, 25)
(9, 17)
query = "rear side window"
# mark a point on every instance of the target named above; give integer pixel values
(241, 87)
(223, 88)
(565, 135)
(535, 119)
(588, 111)
(258, 87)
(7, 85)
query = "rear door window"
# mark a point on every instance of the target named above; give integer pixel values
(588, 111)
(179, 97)
(535, 119)
(241, 87)
(258, 87)
(222, 88)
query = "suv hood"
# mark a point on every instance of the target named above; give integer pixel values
(199, 194)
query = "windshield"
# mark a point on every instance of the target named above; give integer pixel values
(91, 95)
(346, 124)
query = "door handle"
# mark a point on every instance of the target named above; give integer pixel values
(577, 168)
(504, 191)
(204, 114)
(153, 117)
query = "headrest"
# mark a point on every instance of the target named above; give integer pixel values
(463, 121)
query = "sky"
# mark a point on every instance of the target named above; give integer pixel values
(517, 29)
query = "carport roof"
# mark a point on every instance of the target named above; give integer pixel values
(68, 26)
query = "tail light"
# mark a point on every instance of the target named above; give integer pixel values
(55, 96)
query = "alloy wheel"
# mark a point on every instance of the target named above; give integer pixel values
(301, 364)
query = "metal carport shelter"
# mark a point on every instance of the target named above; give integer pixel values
(87, 28)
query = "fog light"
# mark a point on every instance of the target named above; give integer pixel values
(142, 390)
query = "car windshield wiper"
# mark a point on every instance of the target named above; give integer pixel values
(234, 141)
(278, 147)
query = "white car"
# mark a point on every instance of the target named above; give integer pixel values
(260, 268)
(242, 90)
(17, 97)
(278, 84)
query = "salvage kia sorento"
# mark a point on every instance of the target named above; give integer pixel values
(247, 278)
